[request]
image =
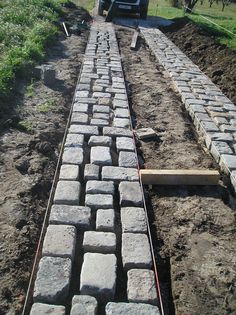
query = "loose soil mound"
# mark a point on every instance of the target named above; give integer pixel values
(30, 143)
(215, 60)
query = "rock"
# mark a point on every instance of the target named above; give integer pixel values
(130, 194)
(69, 172)
(42, 309)
(121, 122)
(84, 130)
(79, 118)
(74, 140)
(124, 144)
(84, 305)
(73, 155)
(99, 242)
(99, 279)
(127, 159)
(117, 174)
(133, 220)
(67, 193)
(99, 201)
(117, 132)
(100, 187)
(100, 141)
(100, 156)
(131, 309)
(105, 220)
(136, 251)
(91, 172)
(53, 279)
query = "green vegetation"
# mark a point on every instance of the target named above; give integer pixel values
(25, 125)
(30, 89)
(26, 27)
(46, 107)
(203, 15)
(87, 4)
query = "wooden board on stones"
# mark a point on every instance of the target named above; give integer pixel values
(179, 177)
(134, 40)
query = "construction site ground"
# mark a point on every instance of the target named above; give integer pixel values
(193, 228)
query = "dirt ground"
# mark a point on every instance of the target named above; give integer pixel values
(29, 156)
(217, 61)
(193, 227)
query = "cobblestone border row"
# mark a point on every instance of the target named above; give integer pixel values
(97, 199)
(213, 114)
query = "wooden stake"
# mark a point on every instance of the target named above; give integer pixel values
(179, 177)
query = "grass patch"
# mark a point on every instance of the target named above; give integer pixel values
(26, 28)
(26, 125)
(87, 4)
(46, 107)
(203, 16)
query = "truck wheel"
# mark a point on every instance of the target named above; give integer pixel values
(100, 8)
(143, 12)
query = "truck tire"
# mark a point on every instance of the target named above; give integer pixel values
(143, 12)
(100, 8)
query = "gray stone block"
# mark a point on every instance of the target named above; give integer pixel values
(124, 144)
(131, 309)
(82, 94)
(91, 172)
(117, 174)
(218, 136)
(73, 155)
(218, 148)
(78, 216)
(141, 286)
(99, 122)
(100, 156)
(60, 241)
(101, 109)
(117, 132)
(67, 193)
(100, 141)
(101, 94)
(100, 187)
(127, 159)
(121, 122)
(53, 279)
(84, 129)
(120, 104)
(79, 118)
(42, 309)
(74, 140)
(130, 194)
(228, 163)
(80, 107)
(133, 220)
(69, 172)
(84, 305)
(99, 201)
(99, 242)
(98, 276)
(105, 220)
(122, 113)
(136, 251)
(101, 116)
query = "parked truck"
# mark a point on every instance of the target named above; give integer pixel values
(132, 6)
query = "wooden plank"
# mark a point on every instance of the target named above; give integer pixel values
(134, 40)
(179, 177)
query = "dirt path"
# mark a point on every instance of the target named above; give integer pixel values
(193, 227)
(28, 161)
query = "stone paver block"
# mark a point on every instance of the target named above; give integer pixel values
(228, 163)
(99, 122)
(99, 201)
(84, 130)
(218, 136)
(100, 141)
(53, 279)
(98, 276)
(127, 159)
(80, 107)
(121, 122)
(100, 187)
(105, 220)
(73, 155)
(84, 305)
(136, 251)
(60, 241)
(67, 192)
(117, 174)
(99, 242)
(79, 118)
(133, 220)
(120, 104)
(131, 309)
(101, 116)
(74, 140)
(100, 156)
(42, 309)
(91, 172)
(141, 287)
(124, 144)
(78, 216)
(122, 113)
(117, 132)
(218, 148)
(101, 109)
(130, 194)
(69, 172)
